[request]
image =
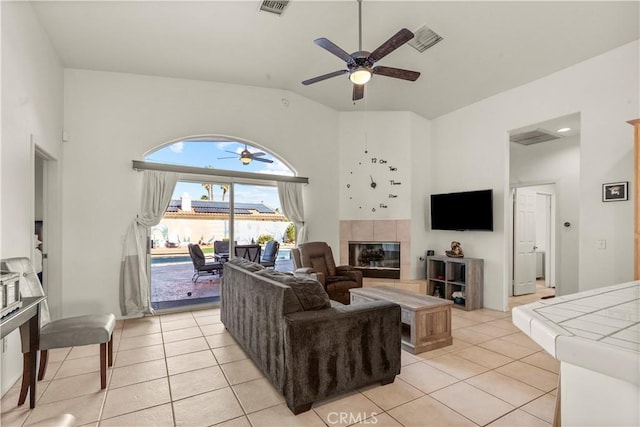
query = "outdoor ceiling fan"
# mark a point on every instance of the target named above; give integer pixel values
(246, 156)
(361, 64)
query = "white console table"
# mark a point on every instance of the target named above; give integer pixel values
(596, 337)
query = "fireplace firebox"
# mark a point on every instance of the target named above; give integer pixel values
(376, 259)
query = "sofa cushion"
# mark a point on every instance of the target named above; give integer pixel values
(309, 292)
(246, 264)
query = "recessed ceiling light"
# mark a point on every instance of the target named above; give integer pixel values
(562, 130)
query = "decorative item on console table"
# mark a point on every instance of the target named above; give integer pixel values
(9, 292)
(456, 250)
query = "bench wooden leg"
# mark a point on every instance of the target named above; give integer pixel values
(26, 377)
(103, 365)
(110, 353)
(44, 359)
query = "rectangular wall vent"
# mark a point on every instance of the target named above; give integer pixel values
(533, 137)
(424, 38)
(274, 6)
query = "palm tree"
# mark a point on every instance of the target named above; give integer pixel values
(224, 189)
(209, 187)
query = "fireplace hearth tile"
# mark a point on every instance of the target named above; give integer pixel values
(403, 230)
(362, 230)
(384, 231)
(345, 230)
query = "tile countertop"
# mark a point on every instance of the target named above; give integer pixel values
(597, 329)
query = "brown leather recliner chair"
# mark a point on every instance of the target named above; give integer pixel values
(316, 260)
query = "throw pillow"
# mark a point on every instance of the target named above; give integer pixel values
(309, 292)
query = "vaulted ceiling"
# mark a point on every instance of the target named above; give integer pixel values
(487, 47)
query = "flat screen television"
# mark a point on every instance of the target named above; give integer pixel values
(469, 210)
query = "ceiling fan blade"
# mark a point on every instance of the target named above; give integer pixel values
(259, 159)
(397, 73)
(358, 92)
(324, 77)
(232, 152)
(259, 153)
(231, 157)
(335, 49)
(397, 40)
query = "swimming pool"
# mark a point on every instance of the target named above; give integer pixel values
(169, 259)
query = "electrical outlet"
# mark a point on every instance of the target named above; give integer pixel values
(601, 244)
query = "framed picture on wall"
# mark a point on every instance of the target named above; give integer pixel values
(615, 191)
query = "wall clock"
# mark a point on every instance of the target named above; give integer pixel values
(373, 184)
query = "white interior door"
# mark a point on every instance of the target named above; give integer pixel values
(524, 234)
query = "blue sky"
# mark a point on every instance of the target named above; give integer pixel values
(209, 154)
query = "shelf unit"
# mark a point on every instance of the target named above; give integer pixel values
(447, 275)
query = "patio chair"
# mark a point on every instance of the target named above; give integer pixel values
(61, 333)
(221, 250)
(200, 265)
(270, 254)
(248, 252)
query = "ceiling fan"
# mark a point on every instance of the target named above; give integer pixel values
(361, 64)
(246, 156)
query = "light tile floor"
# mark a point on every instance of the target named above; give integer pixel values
(184, 369)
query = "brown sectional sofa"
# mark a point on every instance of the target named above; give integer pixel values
(309, 347)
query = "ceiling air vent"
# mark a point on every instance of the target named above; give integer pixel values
(424, 38)
(533, 137)
(272, 6)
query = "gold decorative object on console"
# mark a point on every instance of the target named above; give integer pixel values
(456, 250)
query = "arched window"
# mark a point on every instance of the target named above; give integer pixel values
(211, 207)
(221, 153)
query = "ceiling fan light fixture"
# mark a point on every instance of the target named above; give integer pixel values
(245, 157)
(360, 75)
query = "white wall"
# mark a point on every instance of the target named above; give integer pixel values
(556, 161)
(382, 136)
(31, 109)
(420, 190)
(401, 140)
(114, 118)
(470, 151)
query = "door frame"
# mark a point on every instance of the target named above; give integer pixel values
(51, 224)
(554, 226)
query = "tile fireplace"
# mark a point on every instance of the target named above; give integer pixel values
(376, 259)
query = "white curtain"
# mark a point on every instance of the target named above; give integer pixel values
(157, 188)
(290, 194)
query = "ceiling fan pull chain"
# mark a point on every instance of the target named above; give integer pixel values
(359, 25)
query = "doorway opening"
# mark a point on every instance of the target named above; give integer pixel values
(213, 212)
(534, 237)
(542, 238)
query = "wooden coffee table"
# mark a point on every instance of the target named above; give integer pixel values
(426, 320)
